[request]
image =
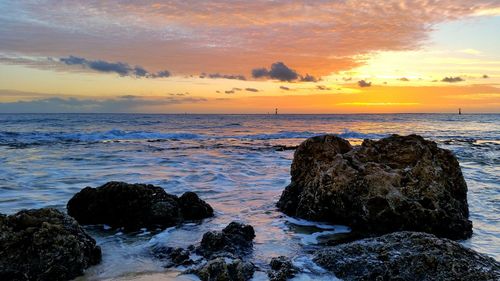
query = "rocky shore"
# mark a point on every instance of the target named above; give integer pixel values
(405, 198)
(45, 245)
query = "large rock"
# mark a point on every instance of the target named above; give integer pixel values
(134, 206)
(44, 244)
(396, 183)
(407, 256)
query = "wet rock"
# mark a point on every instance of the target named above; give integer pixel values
(407, 256)
(173, 256)
(282, 269)
(193, 208)
(221, 269)
(135, 206)
(396, 183)
(235, 240)
(44, 244)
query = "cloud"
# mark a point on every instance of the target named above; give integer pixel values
(485, 76)
(223, 76)
(120, 68)
(278, 71)
(322, 88)
(308, 78)
(284, 88)
(251, 90)
(404, 79)
(125, 103)
(317, 37)
(452, 79)
(229, 92)
(363, 83)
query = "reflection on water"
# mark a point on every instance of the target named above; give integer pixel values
(238, 164)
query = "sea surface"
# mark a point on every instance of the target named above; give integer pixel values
(238, 163)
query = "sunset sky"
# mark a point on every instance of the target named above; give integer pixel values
(250, 56)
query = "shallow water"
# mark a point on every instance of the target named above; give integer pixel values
(235, 162)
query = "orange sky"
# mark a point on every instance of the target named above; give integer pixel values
(249, 57)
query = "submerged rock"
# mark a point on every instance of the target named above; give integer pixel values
(396, 183)
(44, 244)
(173, 256)
(282, 269)
(235, 240)
(220, 269)
(407, 256)
(134, 206)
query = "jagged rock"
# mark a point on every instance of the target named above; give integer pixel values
(282, 269)
(407, 256)
(235, 239)
(219, 269)
(44, 244)
(396, 183)
(135, 206)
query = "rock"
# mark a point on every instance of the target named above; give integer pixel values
(44, 244)
(407, 256)
(135, 206)
(282, 269)
(396, 183)
(172, 256)
(235, 239)
(219, 270)
(193, 208)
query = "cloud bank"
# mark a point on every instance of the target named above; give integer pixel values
(125, 103)
(225, 36)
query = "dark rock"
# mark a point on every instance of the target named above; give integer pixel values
(282, 269)
(134, 206)
(219, 270)
(396, 183)
(407, 256)
(173, 256)
(193, 208)
(44, 244)
(235, 239)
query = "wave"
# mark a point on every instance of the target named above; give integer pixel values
(19, 139)
(34, 138)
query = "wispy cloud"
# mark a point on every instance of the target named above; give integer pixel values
(223, 76)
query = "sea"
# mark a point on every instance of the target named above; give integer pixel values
(239, 164)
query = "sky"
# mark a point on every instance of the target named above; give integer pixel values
(232, 56)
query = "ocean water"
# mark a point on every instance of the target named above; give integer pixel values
(235, 162)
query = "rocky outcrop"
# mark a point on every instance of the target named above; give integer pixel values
(135, 206)
(234, 240)
(282, 269)
(44, 244)
(396, 183)
(221, 254)
(221, 270)
(407, 256)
